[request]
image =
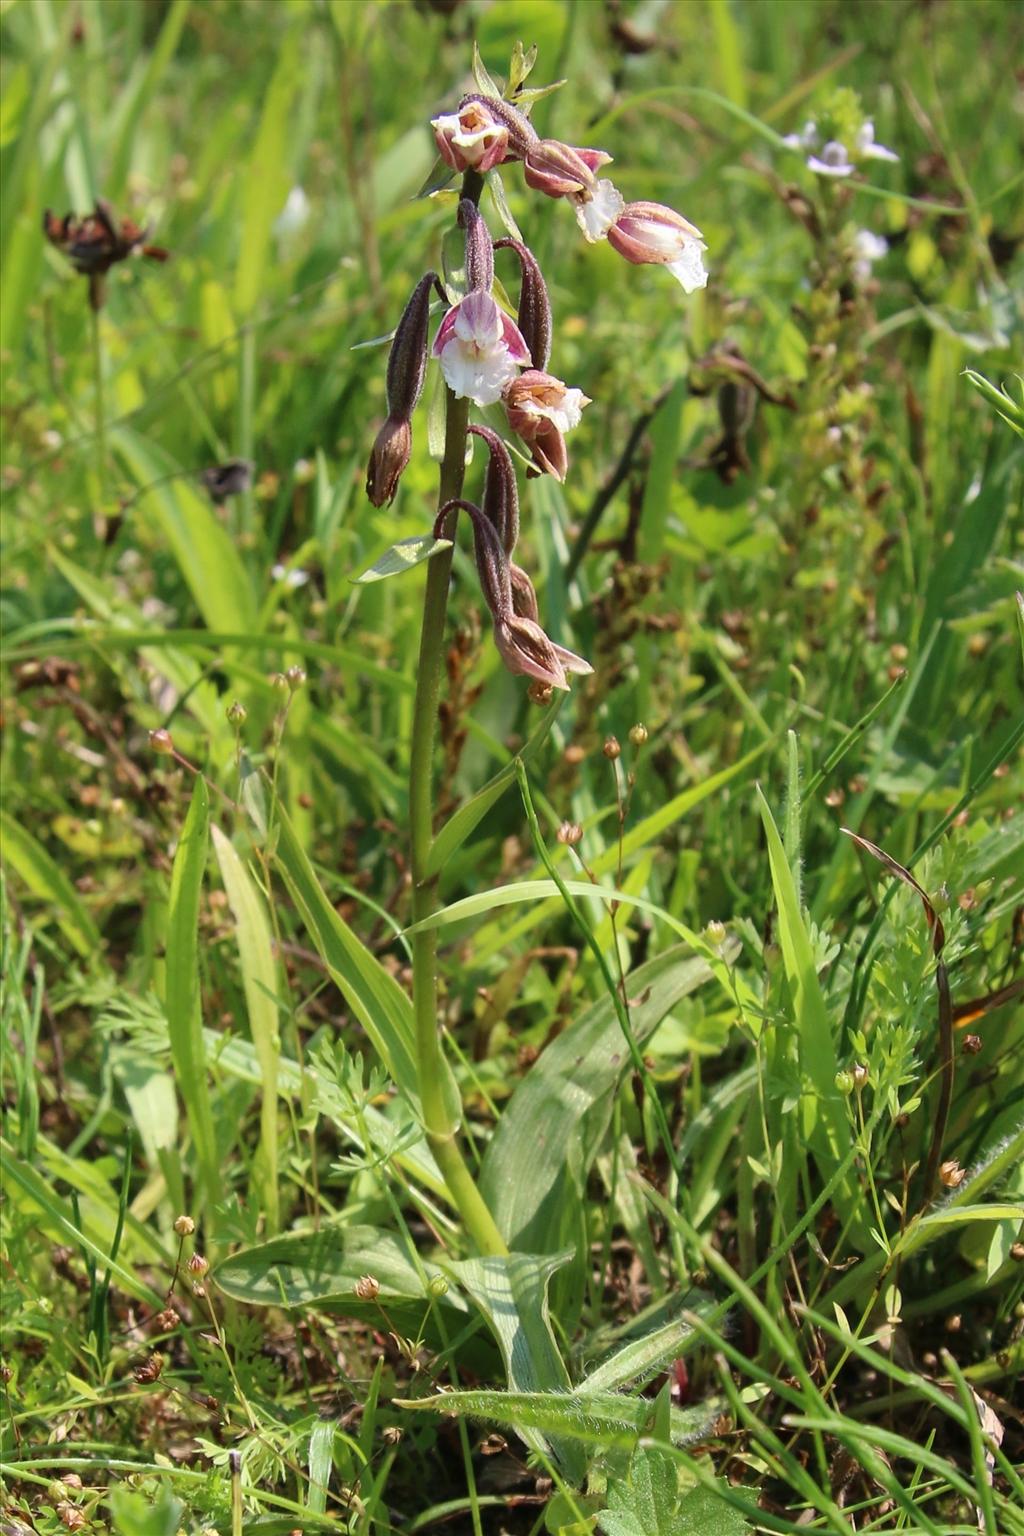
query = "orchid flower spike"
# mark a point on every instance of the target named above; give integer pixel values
(534, 316)
(407, 366)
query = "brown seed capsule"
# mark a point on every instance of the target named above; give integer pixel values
(1017, 1252)
(611, 749)
(165, 1321)
(70, 1516)
(569, 833)
(184, 1226)
(574, 754)
(197, 1266)
(149, 1370)
(391, 1434)
(951, 1174)
(367, 1288)
(971, 1045)
(161, 741)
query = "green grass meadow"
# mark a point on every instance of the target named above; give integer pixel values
(741, 1095)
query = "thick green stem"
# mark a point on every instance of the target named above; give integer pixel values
(440, 1125)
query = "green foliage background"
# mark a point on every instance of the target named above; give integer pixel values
(181, 1031)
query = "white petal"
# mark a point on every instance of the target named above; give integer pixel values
(479, 376)
(294, 214)
(833, 160)
(598, 212)
(868, 246)
(689, 267)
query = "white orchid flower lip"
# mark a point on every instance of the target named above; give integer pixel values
(597, 209)
(471, 138)
(543, 397)
(651, 233)
(480, 348)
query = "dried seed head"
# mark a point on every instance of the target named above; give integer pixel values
(184, 1226)
(971, 1045)
(161, 741)
(70, 1516)
(148, 1372)
(534, 317)
(165, 1321)
(197, 1266)
(570, 833)
(638, 735)
(951, 1174)
(367, 1288)
(611, 749)
(479, 250)
(391, 1434)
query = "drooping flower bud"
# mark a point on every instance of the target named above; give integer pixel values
(407, 366)
(558, 170)
(541, 409)
(388, 458)
(527, 652)
(501, 494)
(534, 316)
(650, 232)
(491, 560)
(480, 348)
(479, 249)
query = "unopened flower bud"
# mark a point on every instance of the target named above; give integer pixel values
(491, 560)
(951, 1174)
(278, 680)
(650, 232)
(197, 1266)
(303, 471)
(367, 1288)
(611, 749)
(860, 1075)
(715, 932)
(161, 741)
(558, 170)
(407, 367)
(236, 712)
(184, 1226)
(438, 1285)
(569, 833)
(638, 734)
(479, 249)
(844, 1082)
(295, 677)
(500, 502)
(391, 452)
(534, 317)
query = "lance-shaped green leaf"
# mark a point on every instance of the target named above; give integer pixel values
(402, 557)
(644, 1357)
(590, 1418)
(512, 1293)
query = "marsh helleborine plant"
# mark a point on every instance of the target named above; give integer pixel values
(489, 359)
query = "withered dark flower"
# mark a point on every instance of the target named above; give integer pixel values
(228, 479)
(97, 242)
